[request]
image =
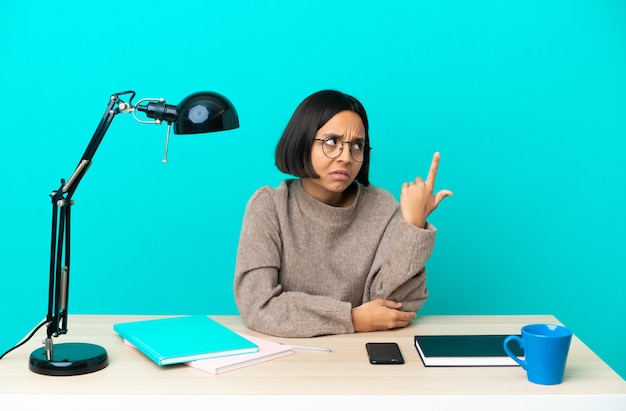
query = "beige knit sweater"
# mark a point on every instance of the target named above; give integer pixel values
(303, 265)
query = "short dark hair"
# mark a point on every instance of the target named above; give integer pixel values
(293, 152)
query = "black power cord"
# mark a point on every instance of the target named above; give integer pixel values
(26, 339)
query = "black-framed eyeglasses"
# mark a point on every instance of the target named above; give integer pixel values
(332, 147)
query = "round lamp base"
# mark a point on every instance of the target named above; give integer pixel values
(69, 359)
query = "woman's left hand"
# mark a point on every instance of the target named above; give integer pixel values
(417, 200)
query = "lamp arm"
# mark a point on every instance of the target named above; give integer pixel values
(58, 291)
(115, 106)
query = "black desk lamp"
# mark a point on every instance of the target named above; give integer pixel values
(203, 112)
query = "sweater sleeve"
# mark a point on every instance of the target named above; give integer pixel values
(262, 303)
(398, 272)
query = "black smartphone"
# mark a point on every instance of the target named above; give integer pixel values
(384, 353)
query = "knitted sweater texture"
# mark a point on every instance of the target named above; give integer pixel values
(302, 265)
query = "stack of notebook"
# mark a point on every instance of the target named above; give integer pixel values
(198, 341)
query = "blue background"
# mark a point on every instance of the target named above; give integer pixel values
(524, 99)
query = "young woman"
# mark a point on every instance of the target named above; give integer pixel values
(327, 253)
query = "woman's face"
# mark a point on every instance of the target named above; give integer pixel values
(336, 174)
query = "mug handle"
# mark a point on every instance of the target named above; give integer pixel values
(508, 351)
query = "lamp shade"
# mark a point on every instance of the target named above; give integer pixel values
(205, 112)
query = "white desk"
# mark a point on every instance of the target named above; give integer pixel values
(311, 379)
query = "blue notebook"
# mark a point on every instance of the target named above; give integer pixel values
(182, 339)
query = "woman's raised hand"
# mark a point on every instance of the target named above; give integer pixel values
(417, 198)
